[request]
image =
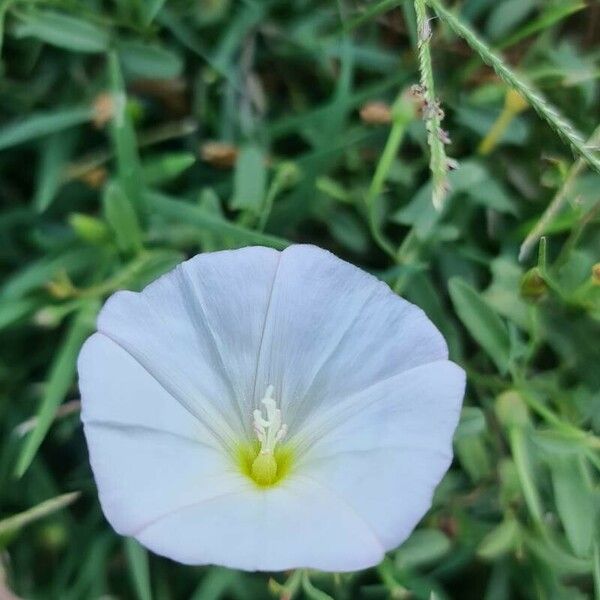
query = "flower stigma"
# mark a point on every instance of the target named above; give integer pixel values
(270, 431)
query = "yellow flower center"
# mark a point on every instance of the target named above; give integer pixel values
(267, 462)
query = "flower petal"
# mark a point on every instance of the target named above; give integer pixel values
(117, 390)
(148, 453)
(385, 449)
(333, 329)
(143, 475)
(297, 524)
(197, 330)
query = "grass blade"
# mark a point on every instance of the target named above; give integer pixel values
(16, 522)
(41, 124)
(64, 31)
(171, 208)
(59, 382)
(137, 557)
(481, 321)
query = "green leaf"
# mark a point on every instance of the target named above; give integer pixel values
(12, 311)
(40, 124)
(484, 325)
(250, 180)
(64, 31)
(215, 584)
(472, 422)
(59, 381)
(194, 215)
(137, 557)
(501, 540)
(123, 138)
(424, 546)
(311, 591)
(150, 9)
(54, 154)
(166, 167)
(576, 502)
(149, 61)
(122, 218)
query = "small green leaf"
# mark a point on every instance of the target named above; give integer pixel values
(12, 311)
(576, 502)
(122, 218)
(311, 591)
(64, 31)
(501, 540)
(484, 325)
(124, 139)
(424, 546)
(166, 167)
(472, 422)
(40, 124)
(184, 212)
(137, 557)
(54, 154)
(149, 61)
(215, 584)
(250, 180)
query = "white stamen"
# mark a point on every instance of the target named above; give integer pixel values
(269, 429)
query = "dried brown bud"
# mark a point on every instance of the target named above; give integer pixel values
(376, 113)
(94, 178)
(219, 154)
(104, 109)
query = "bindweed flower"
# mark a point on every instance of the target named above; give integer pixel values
(267, 410)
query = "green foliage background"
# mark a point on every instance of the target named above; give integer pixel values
(106, 181)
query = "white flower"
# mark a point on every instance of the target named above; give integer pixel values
(268, 410)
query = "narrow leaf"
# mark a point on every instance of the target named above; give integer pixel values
(123, 137)
(194, 215)
(64, 31)
(41, 124)
(250, 180)
(148, 60)
(59, 381)
(122, 218)
(137, 557)
(484, 325)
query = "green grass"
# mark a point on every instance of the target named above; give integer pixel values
(505, 260)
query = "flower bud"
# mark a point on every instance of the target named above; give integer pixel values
(376, 113)
(89, 229)
(511, 409)
(533, 286)
(219, 154)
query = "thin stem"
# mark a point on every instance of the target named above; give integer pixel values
(548, 112)
(438, 163)
(557, 203)
(402, 116)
